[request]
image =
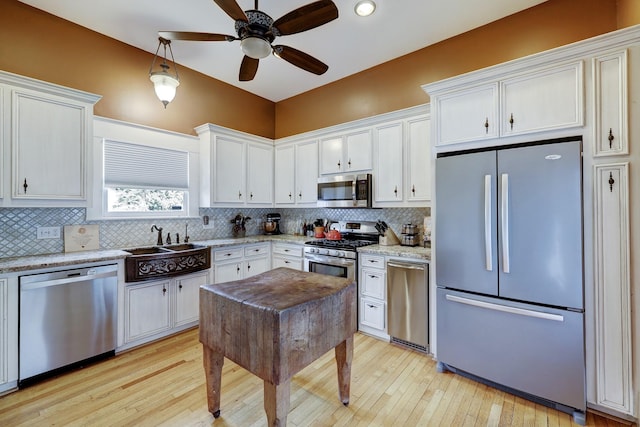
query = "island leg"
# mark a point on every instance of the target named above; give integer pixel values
(213, 362)
(344, 356)
(276, 403)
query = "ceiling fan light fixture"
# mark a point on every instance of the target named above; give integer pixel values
(255, 47)
(164, 83)
(365, 7)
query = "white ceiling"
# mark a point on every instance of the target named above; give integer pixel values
(347, 45)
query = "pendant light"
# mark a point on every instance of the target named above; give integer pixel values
(164, 83)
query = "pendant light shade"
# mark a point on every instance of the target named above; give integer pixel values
(164, 83)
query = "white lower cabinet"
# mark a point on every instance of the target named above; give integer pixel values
(372, 283)
(161, 307)
(613, 332)
(8, 333)
(240, 262)
(287, 255)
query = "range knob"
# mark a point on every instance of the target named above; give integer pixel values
(325, 252)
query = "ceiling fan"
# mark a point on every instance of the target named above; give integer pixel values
(256, 31)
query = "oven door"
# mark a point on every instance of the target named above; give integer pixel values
(332, 266)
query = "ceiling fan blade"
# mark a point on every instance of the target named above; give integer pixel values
(200, 37)
(306, 17)
(300, 59)
(248, 68)
(231, 8)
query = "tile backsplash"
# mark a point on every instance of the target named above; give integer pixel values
(18, 237)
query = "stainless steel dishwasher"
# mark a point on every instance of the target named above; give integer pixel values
(407, 304)
(66, 317)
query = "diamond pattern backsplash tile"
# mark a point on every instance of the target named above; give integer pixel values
(18, 236)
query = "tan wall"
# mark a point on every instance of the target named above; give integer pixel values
(396, 84)
(628, 13)
(42, 46)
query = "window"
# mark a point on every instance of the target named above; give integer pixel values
(140, 180)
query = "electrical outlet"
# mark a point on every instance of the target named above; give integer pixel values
(48, 233)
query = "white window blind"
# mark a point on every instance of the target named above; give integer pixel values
(140, 166)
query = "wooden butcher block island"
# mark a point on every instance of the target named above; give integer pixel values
(275, 324)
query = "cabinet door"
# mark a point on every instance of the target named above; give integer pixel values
(4, 331)
(289, 262)
(187, 308)
(610, 92)
(388, 171)
(147, 309)
(307, 172)
(284, 175)
(48, 132)
(613, 288)
(419, 160)
(373, 313)
(467, 115)
(359, 149)
(374, 284)
(227, 272)
(256, 266)
(331, 156)
(259, 174)
(229, 171)
(543, 100)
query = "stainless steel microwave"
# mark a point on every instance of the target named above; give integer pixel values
(345, 191)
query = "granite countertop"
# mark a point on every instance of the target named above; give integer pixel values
(34, 262)
(398, 250)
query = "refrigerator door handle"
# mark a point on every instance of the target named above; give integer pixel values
(488, 250)
(504, 223)
(506, 309)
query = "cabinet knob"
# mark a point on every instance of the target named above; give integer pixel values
(25, 186)
(486, 125)
(371, 306)
(300, 195)
(180, 286)
(339, 164)
(511, 121)
(610, 138)
(611, 182)
(251, 195)
(238, 269)
(395, 190)
(289, 195)
(239, 195)
(164, 290)
(349, 163)
(413, 189)
(248, 267)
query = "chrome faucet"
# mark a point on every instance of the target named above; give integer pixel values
(168, 238)
(159, 230)
(186, 233)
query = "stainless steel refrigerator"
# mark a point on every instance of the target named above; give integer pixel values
(509, 270)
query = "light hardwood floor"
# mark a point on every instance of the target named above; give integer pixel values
(162, 384)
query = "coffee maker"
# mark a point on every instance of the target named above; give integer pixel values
(272, 224)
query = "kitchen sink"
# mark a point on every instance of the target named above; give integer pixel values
(153, 262)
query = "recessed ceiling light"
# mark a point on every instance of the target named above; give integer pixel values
(365, 7)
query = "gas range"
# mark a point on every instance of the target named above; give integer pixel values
(355, 234)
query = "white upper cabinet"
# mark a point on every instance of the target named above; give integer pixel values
(49, 127)
(296, 174)
(259, 174)
(468, 115)
(388, 148)
(347, 153)
(543, 100)
(611, 136)
(402, 162)
(307, 172)
(236, 169)
(419, 160)
(285, 175)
